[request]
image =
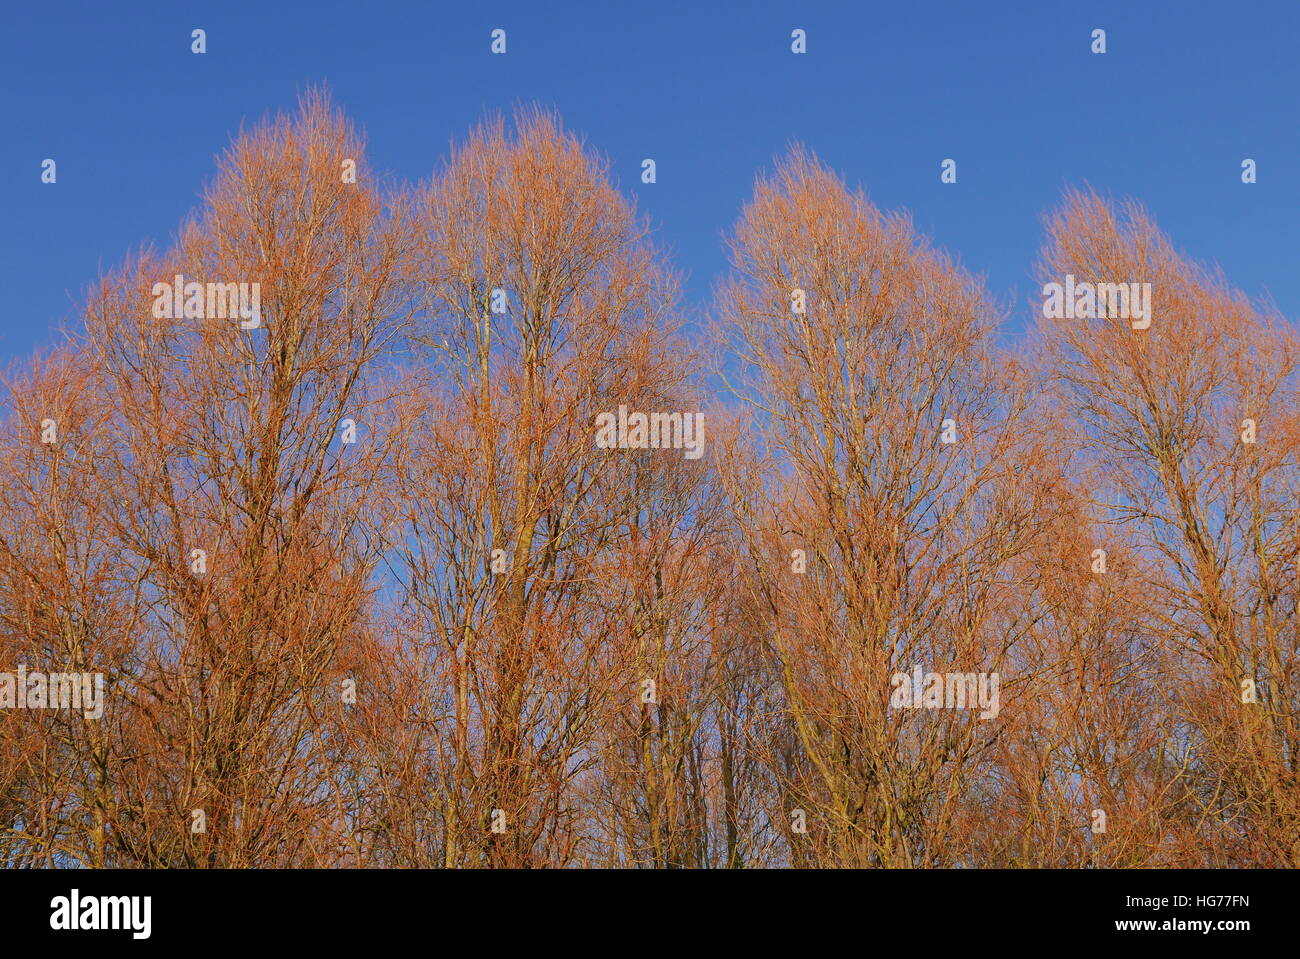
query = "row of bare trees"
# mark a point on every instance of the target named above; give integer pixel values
(464, 634)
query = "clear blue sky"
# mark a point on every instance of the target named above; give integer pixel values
(711, 91)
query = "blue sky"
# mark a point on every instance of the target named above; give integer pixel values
(711, 91)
